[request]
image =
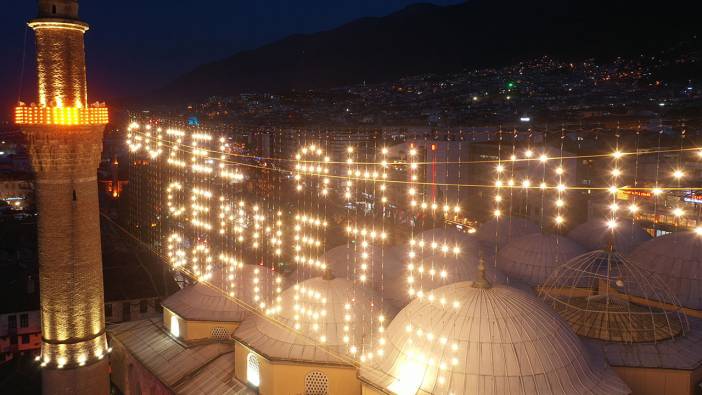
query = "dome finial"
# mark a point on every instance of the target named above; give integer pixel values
(482, 281)
(328, 275)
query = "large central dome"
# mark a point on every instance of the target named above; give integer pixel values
(485, 340)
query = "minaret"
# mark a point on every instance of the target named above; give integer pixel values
(64, 136)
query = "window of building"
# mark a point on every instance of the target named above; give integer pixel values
(24, 320)
(13, 340)
(253, 370)
(175, 326)
(143, 306)
(25, 339)
(316, 383)
(108, 310)
(219, 333)
(12, 322)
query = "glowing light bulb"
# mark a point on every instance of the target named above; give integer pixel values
(657, 191)
(612, 223)
(497, 213)
(613, 189)
(698, 230)
(559, 170)
(560, 203)
(616, 172)
(499, 168)
(678, 174)
(543, 158)
(678, 212)
(633, 208)
(528, 153)
(617, 154)
(559, 220)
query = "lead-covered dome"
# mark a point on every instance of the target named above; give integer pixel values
(532, 258)
(225, 297)
(320, 320)
(595, 235)
(484, 340)
(436, 264)
(605, 296)
(504, 229)
(677, 258)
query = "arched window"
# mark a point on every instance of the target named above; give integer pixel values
(316, 383)
(175, 326)
(253, 370)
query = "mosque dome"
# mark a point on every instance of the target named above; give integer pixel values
(605, 296)
(474, 338)
(677, 258)
(439, 263)
(213, 300)
(320, 320)
(533, 257)
(505, 229)
(345, 259)
(595, 235)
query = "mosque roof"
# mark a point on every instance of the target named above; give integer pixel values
(213, 300)
(200, 368)
(595, 235)
(677, 258)
(533, 257)
(319, 320)
(603, 295)
(486, 339)
(504, 229)
(682, 353)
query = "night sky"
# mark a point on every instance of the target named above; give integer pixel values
(134, 46)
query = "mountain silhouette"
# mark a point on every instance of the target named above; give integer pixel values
(425, 38)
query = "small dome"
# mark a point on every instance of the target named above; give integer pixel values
(311, 322)
(456, 267)
(213, 300)
(677, 258)
(344, 261)
(594, 235)
(505, 229)
(605, 296)
(533, 257)
(484, 340)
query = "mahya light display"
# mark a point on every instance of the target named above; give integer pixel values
(210, 216)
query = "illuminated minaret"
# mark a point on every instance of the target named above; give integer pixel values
(64, 135)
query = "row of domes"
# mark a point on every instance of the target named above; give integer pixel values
(460, 338)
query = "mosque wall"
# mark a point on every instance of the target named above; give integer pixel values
(278, 378)
(649, 381)
(197, 330)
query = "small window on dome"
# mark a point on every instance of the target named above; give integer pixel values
(316, 383)
(252, 370)
(219, 333)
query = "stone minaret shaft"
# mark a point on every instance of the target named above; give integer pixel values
(65, 142)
